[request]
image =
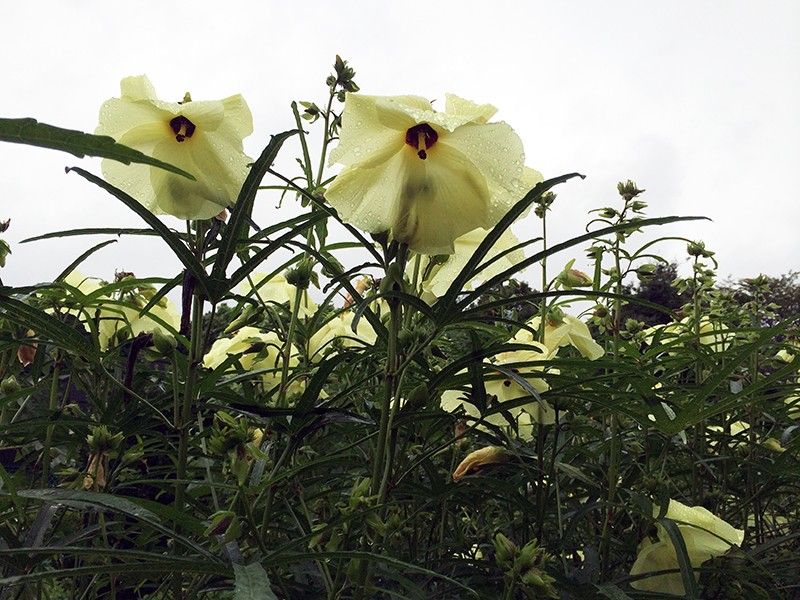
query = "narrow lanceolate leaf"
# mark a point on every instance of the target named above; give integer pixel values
(46, 326)
(32, 133)
(172, 239)
(457, 285)
(252, 583)
(684, 562)
(242, 211)
(99, 501)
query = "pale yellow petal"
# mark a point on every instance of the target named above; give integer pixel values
(373, 128)
(182, 197)
(134, 180)
(653, 557)
(238, 123)
(441, 199)
(496, 151)
(119, 116)
(476, 113)
(137, 87)
(366, 196)
(464, 247)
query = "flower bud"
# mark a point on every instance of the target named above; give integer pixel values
(164, 342)
(9, 386)
(505, 550)
(249, 316)
(5, 250)
(698, 249)
(633, 326)
(572, 278)
(628, 190)
(300, 276)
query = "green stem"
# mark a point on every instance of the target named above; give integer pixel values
(326, 140)
(287, 349)
(545, 285)
(306, 156)
(184, 420)
(614, 444)
(52, 407)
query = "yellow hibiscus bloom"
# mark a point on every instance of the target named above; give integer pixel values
(570, 331)
(502, 392)
(426, 177)
(705, 536)
(278, 290)
(257, 350)
(202, 138)
(340, 328)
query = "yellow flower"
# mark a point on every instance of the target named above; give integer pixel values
(475, 461)
(340, 328)
(571, 331)
(117, 316)
(257, 350)
(442, 275)
(705, 536)
(506, 390)
(202, 138)
(712, 334)
(426, 177)
(279, 291)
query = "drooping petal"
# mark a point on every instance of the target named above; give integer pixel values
(181, 197)
(496, 151)
(441, 198)
(366, 196)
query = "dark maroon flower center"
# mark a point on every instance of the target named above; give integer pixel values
(421, 137)
(182, 128)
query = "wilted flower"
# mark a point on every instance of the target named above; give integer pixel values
(705, 536)
(564, 330)
(426, 177)
(278, 290)
(475, 461)
(202, 138)
(26, 353)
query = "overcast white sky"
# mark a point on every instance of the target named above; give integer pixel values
(697, 101)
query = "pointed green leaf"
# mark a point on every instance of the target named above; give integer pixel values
(243, 209)
(32, 133)
(170, 237)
